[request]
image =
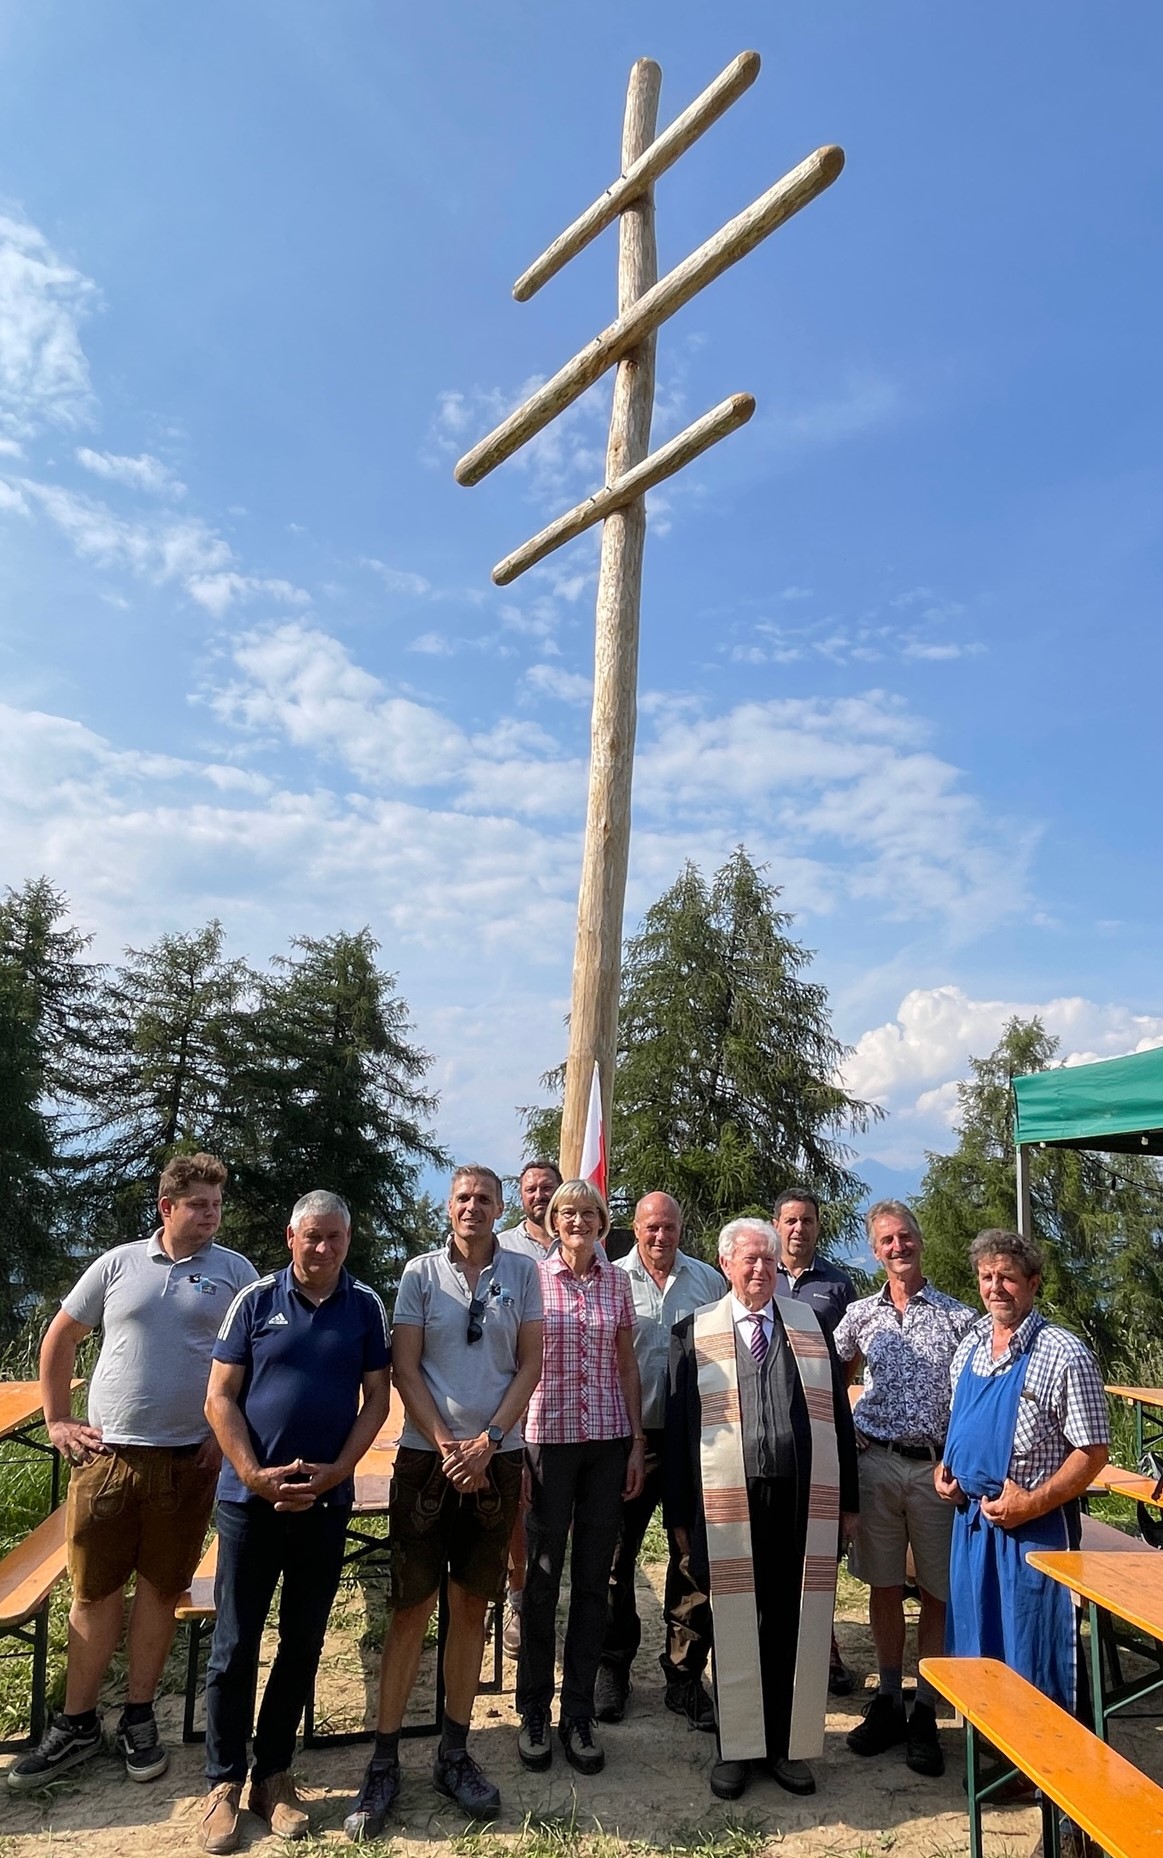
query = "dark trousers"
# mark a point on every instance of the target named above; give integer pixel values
(257, 1544)
(686, 1608)
(578, 1486)
(778, 1534)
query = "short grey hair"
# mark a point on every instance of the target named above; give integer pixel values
(891, 1209)
(996, 1242)
(578, 1196)
(737, 1229)
(319, 1203)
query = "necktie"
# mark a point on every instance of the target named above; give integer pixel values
(758, 1338)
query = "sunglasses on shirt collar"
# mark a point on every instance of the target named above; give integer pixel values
(476, 1312)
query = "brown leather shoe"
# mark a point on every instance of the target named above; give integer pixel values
(275, 1800)
(220, 1818)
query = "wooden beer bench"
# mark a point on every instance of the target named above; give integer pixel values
(28, 1574)
(1116, 1805)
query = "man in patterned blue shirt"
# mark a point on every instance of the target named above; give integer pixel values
(907, 1335)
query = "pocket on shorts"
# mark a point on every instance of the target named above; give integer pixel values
(108, 1495)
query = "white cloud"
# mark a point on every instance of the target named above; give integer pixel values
(12, 499)
(546, 680)
(433, 645)
(397, 580)
(141, 473)
(218, 592)
(913, 1063)
(44, 376)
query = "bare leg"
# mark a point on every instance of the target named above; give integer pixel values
(400, 1662)
(886, 1616)
(94, 1630)
(931, 1626)
(151, 1633)
(463, 1651)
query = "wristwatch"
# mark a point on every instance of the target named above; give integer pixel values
(495, 1435)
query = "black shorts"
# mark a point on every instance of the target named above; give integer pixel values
(433, 1527)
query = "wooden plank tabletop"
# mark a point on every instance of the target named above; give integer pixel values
(1143, 1396)
(1115, 1481)
(1129, 1585)
(19, 1404)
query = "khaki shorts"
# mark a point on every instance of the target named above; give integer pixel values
(432, 1526)
(899, 1510)
(138, 1509)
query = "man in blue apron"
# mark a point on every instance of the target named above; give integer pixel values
(1027, 1434)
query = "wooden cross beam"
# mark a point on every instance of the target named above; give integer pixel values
(644, 302)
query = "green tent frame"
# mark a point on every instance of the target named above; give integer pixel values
(1114, 1106)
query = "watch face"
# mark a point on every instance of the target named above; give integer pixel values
(495, 1435)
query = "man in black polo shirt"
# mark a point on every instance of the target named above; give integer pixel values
(807, 1278)
(293, 1357)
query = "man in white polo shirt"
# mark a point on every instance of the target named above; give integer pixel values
(666, 1284)
(144, 1462)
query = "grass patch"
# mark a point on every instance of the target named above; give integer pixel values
(566, 1836)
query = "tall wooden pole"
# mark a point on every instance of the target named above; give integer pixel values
(598, 957)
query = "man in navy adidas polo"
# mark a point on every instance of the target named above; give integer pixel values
(294, 1356)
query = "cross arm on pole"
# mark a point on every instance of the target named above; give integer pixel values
(662, 153)
(725, 248)
(687, 445)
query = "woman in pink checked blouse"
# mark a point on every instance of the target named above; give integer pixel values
(585, 1451)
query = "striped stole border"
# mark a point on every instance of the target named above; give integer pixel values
(818, 1596)
(737, 1680)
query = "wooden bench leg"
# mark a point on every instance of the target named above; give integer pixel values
(193, 1649)
(38, 1713)
(972, 1785)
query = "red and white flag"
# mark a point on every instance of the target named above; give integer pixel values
(592, 1166)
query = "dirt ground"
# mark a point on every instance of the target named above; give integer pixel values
(653, 1793)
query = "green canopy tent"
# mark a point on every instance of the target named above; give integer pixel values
(1114, 1106)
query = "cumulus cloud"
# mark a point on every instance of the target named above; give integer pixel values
(912, 1063)
(141, 473)
(44, 376)
(397, 580)
(546, 680)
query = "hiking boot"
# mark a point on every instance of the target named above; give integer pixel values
(611, 1689)
(140, 1744)
(793, 1776)
(922, 1744)
(62, 1746)
(220, 1817)
(583, 1751)
(884, 1726)
(533, 1743)
(459, 1777)
(689, 1697)
(728, 1779)
(275, 1800)
(378, 1790)
(511, 1630)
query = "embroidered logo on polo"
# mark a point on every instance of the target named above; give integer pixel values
(277, 1321)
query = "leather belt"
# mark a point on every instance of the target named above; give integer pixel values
(929, 1452)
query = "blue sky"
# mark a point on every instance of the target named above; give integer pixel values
(900, 635)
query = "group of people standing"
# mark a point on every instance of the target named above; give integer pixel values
(553, 1393)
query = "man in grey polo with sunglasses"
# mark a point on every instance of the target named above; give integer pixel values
(466, 1351)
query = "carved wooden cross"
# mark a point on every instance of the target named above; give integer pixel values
(644, 301)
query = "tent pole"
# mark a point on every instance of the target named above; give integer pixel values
(1025, 1219)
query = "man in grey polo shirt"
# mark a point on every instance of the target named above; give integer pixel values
(667, 1284)
(466, 1352)
(144, 1462)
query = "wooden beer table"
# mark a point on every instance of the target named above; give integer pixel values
(1125, 1586)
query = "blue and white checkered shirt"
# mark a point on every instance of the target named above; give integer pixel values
(1063, 1405)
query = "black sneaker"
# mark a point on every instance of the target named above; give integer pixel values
(458, 1776)
(62, 1746)
(533, 1744)
(689, 1697)
(922, 1744)
(378, 1790)
(140, 1744)
(611, 1689)
(884, 1726)
(583, 1751)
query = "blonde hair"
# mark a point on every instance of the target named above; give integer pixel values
(577, 1194)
